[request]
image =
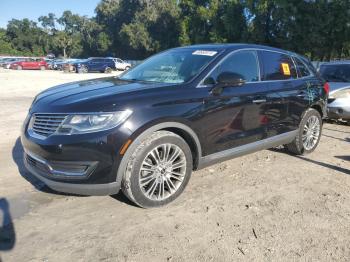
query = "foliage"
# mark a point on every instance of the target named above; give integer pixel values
(135, 29)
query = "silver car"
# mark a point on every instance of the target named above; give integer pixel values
(337, 74)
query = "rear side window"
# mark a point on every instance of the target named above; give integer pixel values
(243, 63)
(276, 66)
(303, 70)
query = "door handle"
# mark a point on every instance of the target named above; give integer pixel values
(259, 101)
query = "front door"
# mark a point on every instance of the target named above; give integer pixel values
(236, 116)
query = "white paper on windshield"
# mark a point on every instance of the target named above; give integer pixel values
(204, 52)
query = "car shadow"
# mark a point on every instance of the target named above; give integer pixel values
(337, 168)
(7, 229)
(122, 198)
(347, 139)
(330, 166)
(17, 155)
(335, 130)
(346, 158)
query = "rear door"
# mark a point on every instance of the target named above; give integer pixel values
(306, 92)
(279, 73)
(92, 64)
(36, 64)
(28, 64)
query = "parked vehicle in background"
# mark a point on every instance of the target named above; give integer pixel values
(7, 62)
(121, 64)
(180, 110)
(337, 74)
(30, 63)
(49, 62)
(57, 64)
(94, 64)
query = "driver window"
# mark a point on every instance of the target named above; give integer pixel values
(243, 63)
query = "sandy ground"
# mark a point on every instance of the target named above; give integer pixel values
(267, 206)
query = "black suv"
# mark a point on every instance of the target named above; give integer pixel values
(181, 110)
(95, 64)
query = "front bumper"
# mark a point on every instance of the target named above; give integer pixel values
(79, 164)
(79, 189)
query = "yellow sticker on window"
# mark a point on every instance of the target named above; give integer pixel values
(285, 69)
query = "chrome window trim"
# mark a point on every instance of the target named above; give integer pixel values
(200, 85)
(311, 74)
(259, 69)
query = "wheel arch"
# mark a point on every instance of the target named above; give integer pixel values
(319, 108)
(182, 130)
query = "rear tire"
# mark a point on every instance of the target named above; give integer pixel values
(309, 134)
(158, 170)
(108, 70)
(42, 68)
(19, 68)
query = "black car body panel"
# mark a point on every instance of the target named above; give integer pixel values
(210, 123)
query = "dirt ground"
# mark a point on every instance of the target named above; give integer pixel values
(267, 206)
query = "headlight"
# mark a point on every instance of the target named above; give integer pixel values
(87, 123)
(345, 93)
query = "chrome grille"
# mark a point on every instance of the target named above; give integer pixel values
(46, 124)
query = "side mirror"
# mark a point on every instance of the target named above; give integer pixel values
(227, 79)
(230, 79)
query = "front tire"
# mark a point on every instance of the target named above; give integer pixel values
(158, 170)
(83, 69)
(309, 134)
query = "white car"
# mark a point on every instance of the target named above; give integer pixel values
(121, 65)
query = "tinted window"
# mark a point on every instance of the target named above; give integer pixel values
(336, 73)
(277, 66)
(95, 60)
(243, 63)
(302, 68)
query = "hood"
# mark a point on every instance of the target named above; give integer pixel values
(91, 95)
(336, 86)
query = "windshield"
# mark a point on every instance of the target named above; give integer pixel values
(336, 73)
(173, 66)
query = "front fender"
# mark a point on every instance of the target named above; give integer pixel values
(143, 132)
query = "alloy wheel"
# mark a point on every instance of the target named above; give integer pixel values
(311, 132)
(162, 172)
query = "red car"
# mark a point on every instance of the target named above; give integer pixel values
(30, 63)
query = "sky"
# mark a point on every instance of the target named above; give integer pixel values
(32, 9)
